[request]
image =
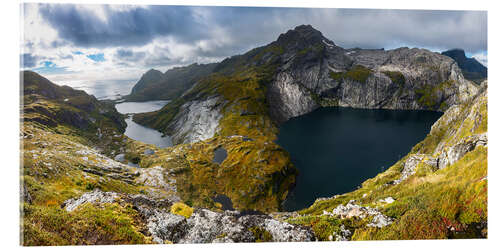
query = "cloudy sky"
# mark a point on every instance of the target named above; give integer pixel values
(67, 42)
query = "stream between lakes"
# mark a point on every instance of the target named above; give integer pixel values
(139, 132)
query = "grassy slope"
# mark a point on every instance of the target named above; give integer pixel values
(257, 172)
(429, 203)
(59, 125)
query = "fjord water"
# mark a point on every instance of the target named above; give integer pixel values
(336, 149)
(139, 132)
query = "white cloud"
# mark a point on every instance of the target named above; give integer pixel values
(482, 58)
(232, 31)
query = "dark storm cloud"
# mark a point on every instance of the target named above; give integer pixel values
(246, 28)
(364, 28)
(131, 27)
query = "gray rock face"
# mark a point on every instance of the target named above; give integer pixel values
(196, 121)
(309, 59)
(410, 165)
(203, 226)
(452, 146)
(95, 197)
(289, 98)
(457, 151)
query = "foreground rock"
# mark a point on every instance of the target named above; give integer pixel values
(353, 210)
(202, 226)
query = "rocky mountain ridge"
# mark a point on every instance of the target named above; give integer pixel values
(302, 70)
(471, 68)
(155, 85)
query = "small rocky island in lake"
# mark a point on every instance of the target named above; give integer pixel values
(226, 175)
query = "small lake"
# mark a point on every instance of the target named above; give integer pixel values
(139, 132)
(336, 149)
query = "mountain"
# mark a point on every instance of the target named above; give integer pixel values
(51, 105)
(471, 68)
(85, 182)
(149, 78)
(301, 71)
(250, 95)
(155, 85)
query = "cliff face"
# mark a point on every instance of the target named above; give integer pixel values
(314, 71)
(303, 70)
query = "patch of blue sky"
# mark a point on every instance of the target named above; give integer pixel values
(97, 57)
(49, 67)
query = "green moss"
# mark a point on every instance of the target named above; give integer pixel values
(396, 77)
(337, 76)
(428, 95)
(357, 73)
(261, 234)
(181, 209)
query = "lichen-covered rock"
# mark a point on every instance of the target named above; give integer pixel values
(95, 197)
(353, 210)
(380, 220)
(458, 150)
(203, 226)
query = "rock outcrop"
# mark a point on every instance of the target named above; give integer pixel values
(459, 130)
(314, 68)
(353, 210)
(196, 121)
(203, 226)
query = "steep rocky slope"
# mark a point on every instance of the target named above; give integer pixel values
(471, 68)
(50, 104)
(155, 85)
(303, 70)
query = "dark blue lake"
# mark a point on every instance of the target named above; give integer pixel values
(336, 149)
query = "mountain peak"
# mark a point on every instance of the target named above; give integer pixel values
(304, 34)
(458, 54)
(471, 68)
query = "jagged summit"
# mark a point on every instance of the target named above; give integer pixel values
(304, 35)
